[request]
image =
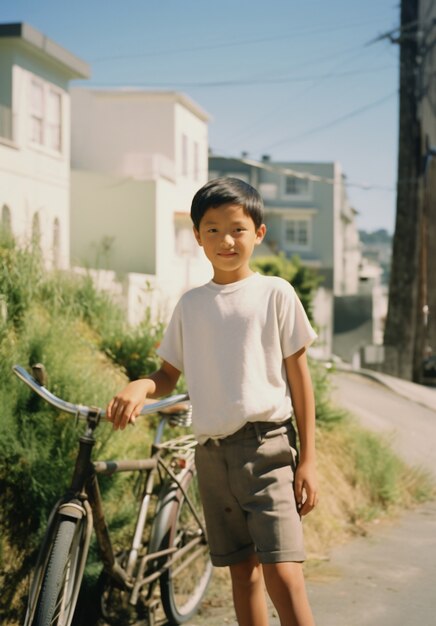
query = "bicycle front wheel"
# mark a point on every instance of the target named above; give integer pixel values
(184, 583)
(62, 577)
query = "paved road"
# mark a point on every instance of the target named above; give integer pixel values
(385, 579)
(410, 426)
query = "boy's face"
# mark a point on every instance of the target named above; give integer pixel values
(228, 236)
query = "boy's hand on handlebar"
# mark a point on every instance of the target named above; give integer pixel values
(126, 405)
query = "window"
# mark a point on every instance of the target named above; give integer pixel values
(37, 113)
(54, 126)
(297, 233)
(296, 186)
(184, 155)
(45, 116)
(268, 191)
(6, 126)
(196, 160)
(185, 241)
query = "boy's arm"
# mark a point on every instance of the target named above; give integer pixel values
(303, 402)
(127, 404)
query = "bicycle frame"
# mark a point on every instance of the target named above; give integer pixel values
(83, 500)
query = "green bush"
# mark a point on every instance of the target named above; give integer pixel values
(304, 279)
(378, 469)
(20, 278)
(134, 349)
(387, 480)
(327, 414)
(59, 320)
(305, 282)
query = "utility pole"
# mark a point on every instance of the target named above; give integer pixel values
(401, 321)
(426, 329)
(410, 334)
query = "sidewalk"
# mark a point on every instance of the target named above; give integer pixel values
(426, 396)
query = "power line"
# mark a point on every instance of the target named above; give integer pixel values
(297, 33)
(334, 122)
(247, 82)
(269, 116)
(289, 171)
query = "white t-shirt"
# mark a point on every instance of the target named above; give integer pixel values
(230, 342)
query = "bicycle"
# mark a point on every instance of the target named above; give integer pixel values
(173, 551)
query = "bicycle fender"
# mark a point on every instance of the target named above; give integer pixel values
(72, 509)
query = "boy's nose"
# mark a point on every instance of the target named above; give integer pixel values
(227, 241)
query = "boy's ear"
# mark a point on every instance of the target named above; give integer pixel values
(260, 233)
(197, 236)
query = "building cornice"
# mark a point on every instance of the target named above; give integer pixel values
(176, 97)
(32, 38)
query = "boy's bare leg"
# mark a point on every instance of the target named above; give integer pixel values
(249, 593)
(287, 590)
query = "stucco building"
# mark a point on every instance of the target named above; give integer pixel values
(35, 139)
(137, 159)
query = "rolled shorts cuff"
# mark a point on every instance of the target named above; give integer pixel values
(281, 556)
(288, 556)
(224, 560)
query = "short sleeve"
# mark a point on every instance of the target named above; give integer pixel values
(296, 331)
(171, 346)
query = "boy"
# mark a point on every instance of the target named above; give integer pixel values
(241, 342)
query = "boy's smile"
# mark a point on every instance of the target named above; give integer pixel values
(228, 236)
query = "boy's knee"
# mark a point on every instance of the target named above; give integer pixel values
(246, 573)
(289, 574)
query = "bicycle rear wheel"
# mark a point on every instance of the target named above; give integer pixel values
(63, 574)
(184, 583)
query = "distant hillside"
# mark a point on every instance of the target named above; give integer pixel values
(377, 248)
(380, 236)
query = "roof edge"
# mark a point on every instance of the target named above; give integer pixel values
(177, 97)
(34, 38)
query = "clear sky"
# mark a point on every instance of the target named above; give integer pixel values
(300, 80)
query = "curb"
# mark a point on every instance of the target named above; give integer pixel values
(425, 396)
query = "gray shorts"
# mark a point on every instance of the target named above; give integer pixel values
(246, 485)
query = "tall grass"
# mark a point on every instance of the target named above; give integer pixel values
(361, 479)
(62, 321)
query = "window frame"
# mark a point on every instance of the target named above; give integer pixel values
(196, 159)
(184, 155)
(54, 126)
(305, 193)
(296, 244)
(49, 126)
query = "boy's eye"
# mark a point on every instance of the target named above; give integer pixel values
(212, 230)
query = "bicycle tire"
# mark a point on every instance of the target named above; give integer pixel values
(62, 576)
(182, 590)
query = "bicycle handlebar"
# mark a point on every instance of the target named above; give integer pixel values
(82, 410)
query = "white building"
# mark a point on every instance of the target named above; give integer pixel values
(138, 157)
(35, 139)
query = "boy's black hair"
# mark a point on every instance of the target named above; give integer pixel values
(221, 191)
